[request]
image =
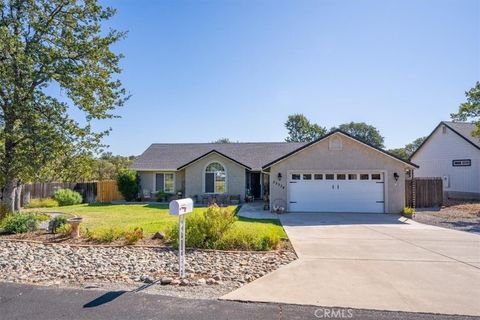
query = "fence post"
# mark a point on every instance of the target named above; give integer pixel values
(414, 191)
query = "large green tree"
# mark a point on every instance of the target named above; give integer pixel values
(54, 56)
(470, 110)
(407, 151)
(300, 129)
(364, 132)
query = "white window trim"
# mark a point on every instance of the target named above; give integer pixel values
(164, 173)
(205, 171)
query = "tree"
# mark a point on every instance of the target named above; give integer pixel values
(364, 132)
(128, 183)
(300, 129)
(399, 152)
(470, 110)
(47, 46)
(222, 140)
(406, 152)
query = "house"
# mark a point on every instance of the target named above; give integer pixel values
(451, 152)
(336, 173)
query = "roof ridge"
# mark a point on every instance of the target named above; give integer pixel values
(230, 143)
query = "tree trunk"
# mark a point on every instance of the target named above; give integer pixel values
(9, 194)
(18, 197)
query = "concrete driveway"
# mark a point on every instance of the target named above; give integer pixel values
(374, 261)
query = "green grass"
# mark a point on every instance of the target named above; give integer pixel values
(150, 217)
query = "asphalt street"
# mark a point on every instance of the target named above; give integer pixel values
(18, 301)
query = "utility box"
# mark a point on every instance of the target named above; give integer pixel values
(181, 206)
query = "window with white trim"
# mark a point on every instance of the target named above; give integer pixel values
(215, 178)
(165, 182)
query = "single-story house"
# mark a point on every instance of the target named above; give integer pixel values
(451, 152)
(335, 173)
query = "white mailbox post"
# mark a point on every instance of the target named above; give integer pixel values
(181, 207)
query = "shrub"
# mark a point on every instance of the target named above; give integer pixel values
(42, 216)
(163, 196)
(204, 229)
(128, 183)
(107, 235)
(408, 212)
(4, 210)
(20, 222)
(42, 203)
(132, 237)
(242, 239)
(67, 197)
(56, 223)
(64, 229)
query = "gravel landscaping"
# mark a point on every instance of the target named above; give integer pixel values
(458, 216)
(209, 273)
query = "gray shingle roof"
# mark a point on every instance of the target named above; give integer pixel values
(170, 156)
(465, 129)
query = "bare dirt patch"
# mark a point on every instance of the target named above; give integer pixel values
(464, 216)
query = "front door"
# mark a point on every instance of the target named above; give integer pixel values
(255, 184)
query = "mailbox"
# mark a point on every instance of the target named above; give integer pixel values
(181, 206)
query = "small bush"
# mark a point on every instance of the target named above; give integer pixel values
(64, 229)
(132, 237)
(163, 196)
(56, 223)
(242, 239)
(4, 210)
(67, 197)
(107, 235)
(42, 203)
(204, 229)
(20, 222)
(128, 183)
(408, 212)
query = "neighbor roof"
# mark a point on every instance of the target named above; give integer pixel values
(173, 156)
(345, 134)
(463, 129)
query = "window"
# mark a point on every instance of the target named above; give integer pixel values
(215, 178)
(165, 182)
(341, 176)
(376, 176)
(295, 176)
(364, 176)
(352, 176)
(307, 176)
(329, 176)
(318, 176)
(462, 163)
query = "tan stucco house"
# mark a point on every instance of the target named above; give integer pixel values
(336, 173)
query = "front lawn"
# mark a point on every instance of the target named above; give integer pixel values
(150, 217)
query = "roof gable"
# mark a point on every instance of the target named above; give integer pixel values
(462, 129)
(338, 131)
(209, 153)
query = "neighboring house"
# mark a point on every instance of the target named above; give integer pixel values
(336, 173)
(451, 152)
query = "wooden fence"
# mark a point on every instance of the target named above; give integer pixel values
(107, 191)
(424, 192)
(88, 190)
(96, 191)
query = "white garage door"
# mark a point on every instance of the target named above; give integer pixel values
(336, 192)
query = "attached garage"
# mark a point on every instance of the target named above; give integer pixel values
(348, 191)
(338, 173)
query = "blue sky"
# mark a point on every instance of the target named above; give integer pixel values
(202, 70)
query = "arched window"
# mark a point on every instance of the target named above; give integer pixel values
(215, 178)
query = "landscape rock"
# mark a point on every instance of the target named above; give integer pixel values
(166, 280)
(158, 235)
(60, 264)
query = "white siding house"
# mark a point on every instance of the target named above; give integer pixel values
(451, 152)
